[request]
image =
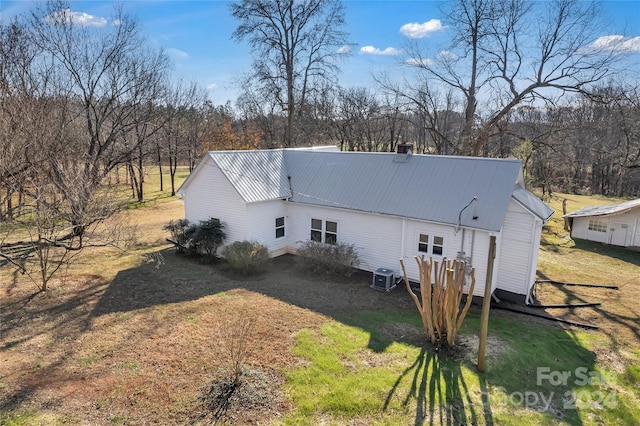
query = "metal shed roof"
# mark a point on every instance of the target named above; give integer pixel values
(424, 187)
(605, 210)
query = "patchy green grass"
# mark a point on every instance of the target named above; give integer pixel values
(542, 375)
(133, 341)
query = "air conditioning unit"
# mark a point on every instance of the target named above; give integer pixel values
(384, 279)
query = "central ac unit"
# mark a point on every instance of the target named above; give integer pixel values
(384, 279)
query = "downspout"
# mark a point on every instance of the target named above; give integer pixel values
(403, 239)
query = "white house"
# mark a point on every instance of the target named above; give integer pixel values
(389, 205)
(616, 224)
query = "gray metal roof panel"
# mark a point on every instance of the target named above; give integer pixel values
(604, 210)
(532, 203)
(256, 175)
(434, 188)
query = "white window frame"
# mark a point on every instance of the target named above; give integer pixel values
(598, 224)
(430, 244)
(323, 230)
(281, 227)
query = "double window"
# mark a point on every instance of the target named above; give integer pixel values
(598, 224)
(431, 244)
(324, 231)
(280, 227)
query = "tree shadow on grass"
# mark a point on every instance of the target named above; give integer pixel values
(440, 391)
(434, 381)
(180, 279)
(609, 312)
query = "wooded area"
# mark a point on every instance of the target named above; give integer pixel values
(83, 110)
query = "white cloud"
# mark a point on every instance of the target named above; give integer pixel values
(67, 16)
(116, 22)
(618, 43)
(177, 53)
(416, 30)
(212, 86)
(345, 49)
(419, 62)
(447, 55)
(389, 51)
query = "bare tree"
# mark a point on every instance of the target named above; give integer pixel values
(507, 53)
(71, 95)
(180, 128)
(297, 45)
(107, 78)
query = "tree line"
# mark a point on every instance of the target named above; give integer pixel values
(84, 111)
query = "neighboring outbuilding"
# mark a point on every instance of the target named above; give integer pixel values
(615, 224)
(389, 205)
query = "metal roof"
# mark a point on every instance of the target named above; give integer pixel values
(605, 210)
(256, 175)
(425, 187)
(532, 203)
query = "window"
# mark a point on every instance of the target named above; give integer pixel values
(438, 245)
(331, 232)
(280, 227)
(316, 230)
(431, 245)
(324, 231)
(598, 224)
(423, 243)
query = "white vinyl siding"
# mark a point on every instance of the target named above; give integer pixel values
(620, 230)
(515, 250)
(452, 243)
(380, 240)
(261, 220)
(211, 195)
(376, 238)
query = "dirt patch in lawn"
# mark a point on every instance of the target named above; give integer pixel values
(146, 342)
(139, 337)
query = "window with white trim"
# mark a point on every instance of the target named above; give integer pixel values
(598, 224)
(431, 244)
(280, 227)
(324, 231)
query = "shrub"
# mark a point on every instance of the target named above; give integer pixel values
(207, 236)
(204, 238)
(177, 229)
(246, 256)
(334, 259)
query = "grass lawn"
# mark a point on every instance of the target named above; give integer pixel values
(146, 336)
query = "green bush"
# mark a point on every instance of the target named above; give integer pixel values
(246, 256)
(204, 238)
(178, 231)
(333, 259)
(207, 236)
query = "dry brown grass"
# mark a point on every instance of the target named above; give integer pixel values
(132, 337)
(565, 260)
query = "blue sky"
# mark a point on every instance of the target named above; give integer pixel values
(197, 34)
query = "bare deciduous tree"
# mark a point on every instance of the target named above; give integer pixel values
(297, 45)
(507, 53)
(70, 96)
